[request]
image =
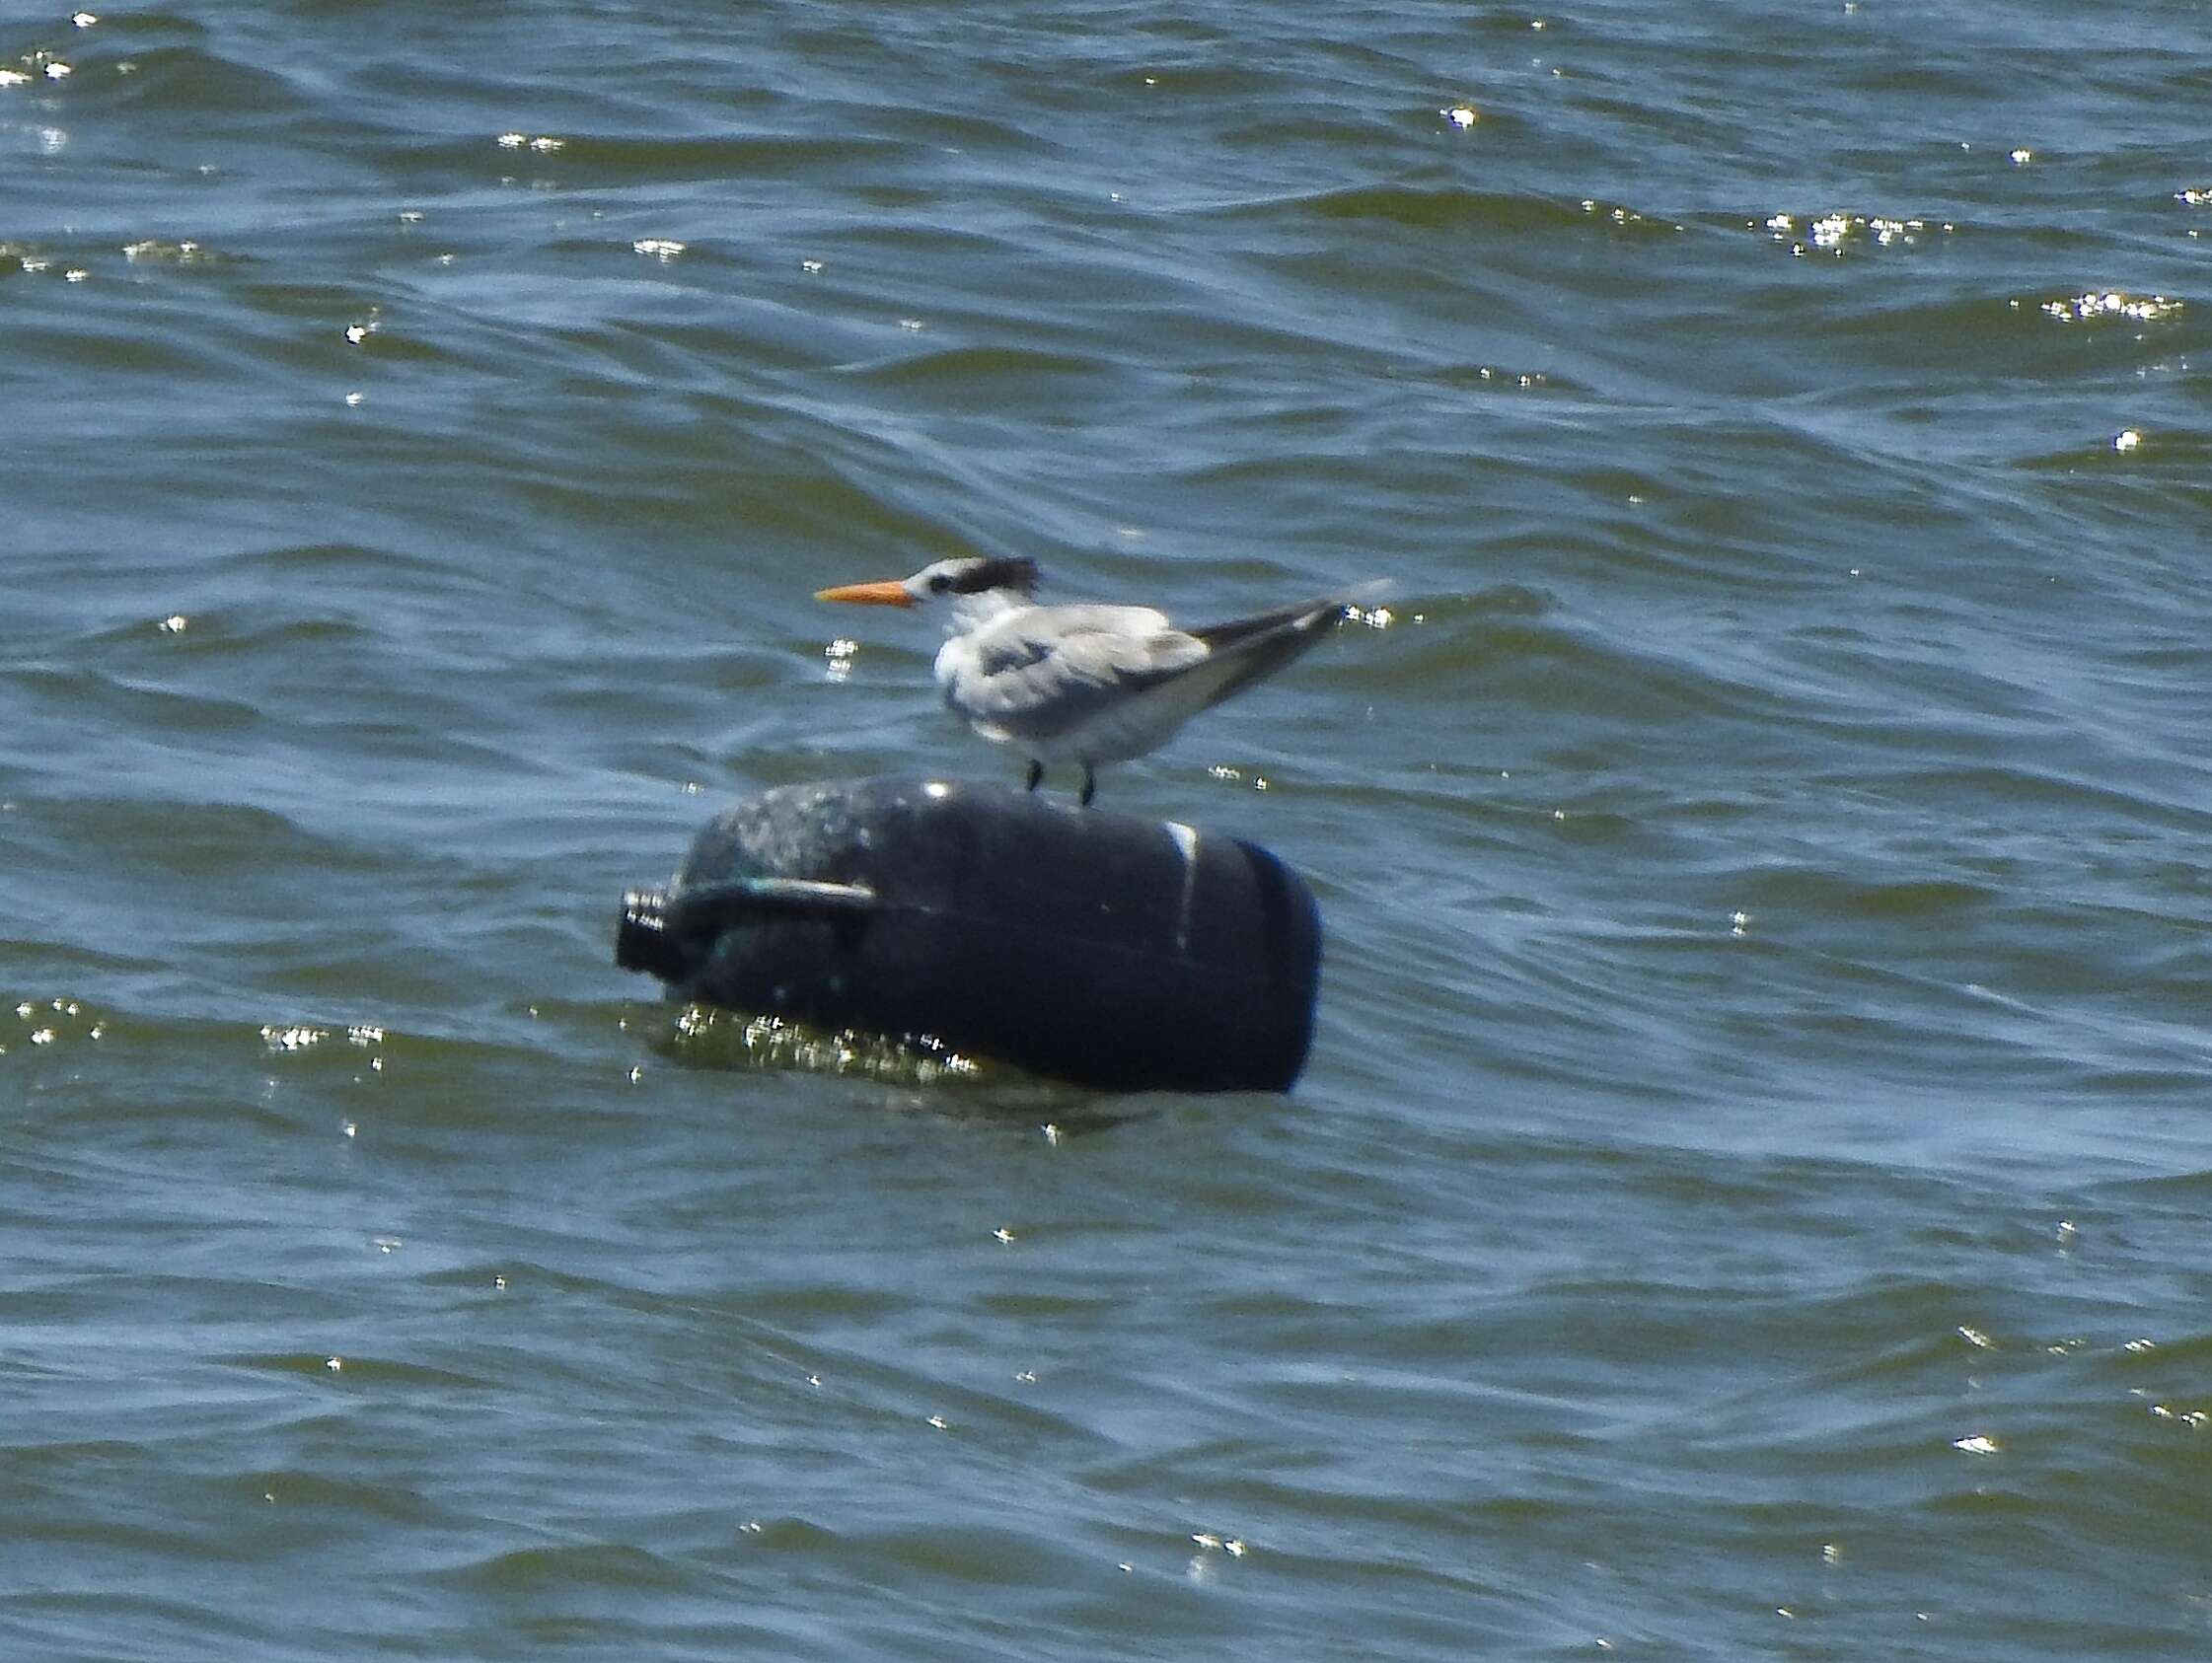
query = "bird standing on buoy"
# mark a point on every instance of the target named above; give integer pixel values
(1088, 685)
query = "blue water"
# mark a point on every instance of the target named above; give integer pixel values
(1749, 1195)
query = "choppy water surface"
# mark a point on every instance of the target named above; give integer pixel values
(1750, 1196)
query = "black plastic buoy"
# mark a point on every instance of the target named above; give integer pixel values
(1075, 943)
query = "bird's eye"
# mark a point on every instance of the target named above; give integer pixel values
(939, 584)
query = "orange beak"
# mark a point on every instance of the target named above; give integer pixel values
(889, 594)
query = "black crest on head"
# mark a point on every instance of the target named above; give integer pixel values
(1019, 572)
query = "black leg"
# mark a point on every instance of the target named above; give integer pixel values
(1090, 785)
(1036, 774)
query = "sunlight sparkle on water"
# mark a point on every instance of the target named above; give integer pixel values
(149, 248)
(1622, 215)
(2090, 306)
(1832, 232)
(709, 1033)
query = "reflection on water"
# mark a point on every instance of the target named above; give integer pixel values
(712, 1038)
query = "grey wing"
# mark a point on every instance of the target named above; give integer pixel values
(1040, 673)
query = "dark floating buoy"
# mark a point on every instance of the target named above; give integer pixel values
(1079, 944)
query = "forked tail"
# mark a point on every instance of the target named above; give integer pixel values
(1249, 649)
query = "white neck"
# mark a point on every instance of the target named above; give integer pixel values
(972, 611)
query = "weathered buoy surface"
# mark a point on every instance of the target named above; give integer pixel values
(1079, 943)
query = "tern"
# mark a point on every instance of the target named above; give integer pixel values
(1085, 683)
